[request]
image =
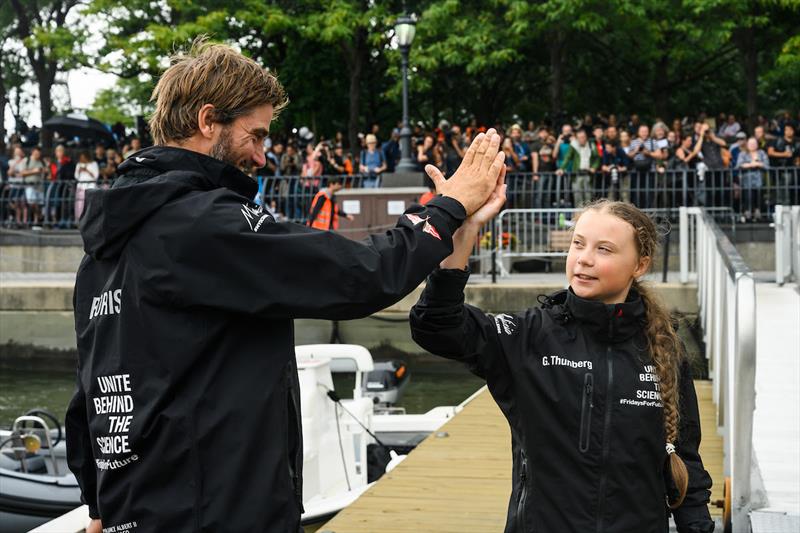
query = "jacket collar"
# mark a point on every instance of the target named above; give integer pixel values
(213, 172)
(611, 323)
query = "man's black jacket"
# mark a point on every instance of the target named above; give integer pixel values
(576, 382)
(186, 416)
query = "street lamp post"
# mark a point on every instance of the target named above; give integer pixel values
(405, 28)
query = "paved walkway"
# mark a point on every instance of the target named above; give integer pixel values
(776, 427)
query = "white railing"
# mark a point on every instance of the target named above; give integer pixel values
(727, 298)
(787, 243)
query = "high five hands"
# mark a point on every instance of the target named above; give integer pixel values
(478, 176)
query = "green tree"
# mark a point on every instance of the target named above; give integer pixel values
(50, 46)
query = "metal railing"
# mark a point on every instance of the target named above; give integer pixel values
(727, 298)
(787, 243)
(751, 195)
(57, 204)
(545, 234)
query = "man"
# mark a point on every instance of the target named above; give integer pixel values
(782, 153)
(643, 151)
(325, 213)
(391, 151)
(583, 159)
(186, 415)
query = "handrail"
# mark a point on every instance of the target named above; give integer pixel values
(727, 297)
(787, 243)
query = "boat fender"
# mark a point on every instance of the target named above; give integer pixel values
(395, 460)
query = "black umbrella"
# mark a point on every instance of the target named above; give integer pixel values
(69, 126)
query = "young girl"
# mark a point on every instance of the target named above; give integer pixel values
(594, 384)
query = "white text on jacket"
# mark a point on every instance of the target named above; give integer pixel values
(108, 303)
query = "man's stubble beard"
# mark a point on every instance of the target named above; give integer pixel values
(223, 149)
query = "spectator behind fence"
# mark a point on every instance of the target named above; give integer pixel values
(372, 162)
(273, 155)
(562, 146)
(57, 208)
(642, 151)
(782, 154)
(512, 159)
(391, 150)
(113, 160)
(136, 145)
(428, 154)
(738, 147)
(520, 148)
(614, 165)
(291, 162)
(582, 158)
(453, 148)
(33, 173)
(729, 128)
(753, 163)
(16, 186)
(86, 174)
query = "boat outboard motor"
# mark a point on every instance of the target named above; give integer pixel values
(386, 382)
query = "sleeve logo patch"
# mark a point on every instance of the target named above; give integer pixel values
(505, 324)
(427, 227)
(254, 217)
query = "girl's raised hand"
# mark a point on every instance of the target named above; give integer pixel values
(493, 205)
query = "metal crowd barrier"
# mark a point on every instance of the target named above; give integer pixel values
(546, 234)
(660, 190)
(291, 196)
(787, 243)
(727, 298)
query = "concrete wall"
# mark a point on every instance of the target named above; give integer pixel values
(22, 258)
(760, 256)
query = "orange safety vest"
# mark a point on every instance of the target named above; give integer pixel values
(426, 197)
(323, 220)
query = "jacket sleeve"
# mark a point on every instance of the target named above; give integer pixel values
(443, 325)
(225, 256)
(79, 449)
(692, 516)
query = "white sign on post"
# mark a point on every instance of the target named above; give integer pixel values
(352, 207)
(395, 207)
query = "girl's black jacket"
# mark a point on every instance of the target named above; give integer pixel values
(576, 382)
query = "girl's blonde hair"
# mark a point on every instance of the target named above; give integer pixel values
(663, 342)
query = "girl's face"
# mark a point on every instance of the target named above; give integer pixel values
(603, 260)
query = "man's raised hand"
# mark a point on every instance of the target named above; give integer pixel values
(476, 176)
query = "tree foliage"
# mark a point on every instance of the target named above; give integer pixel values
(494, 60)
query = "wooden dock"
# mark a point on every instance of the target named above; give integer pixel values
(459, 479)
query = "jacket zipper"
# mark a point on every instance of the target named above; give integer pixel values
(601, 499)
(295, 463)
(586, 413)
(522, 494)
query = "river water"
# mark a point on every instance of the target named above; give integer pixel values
(434, 381)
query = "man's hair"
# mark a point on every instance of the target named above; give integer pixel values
(213, 74)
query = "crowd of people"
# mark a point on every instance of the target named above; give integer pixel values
(41, 189)
(568, 163)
